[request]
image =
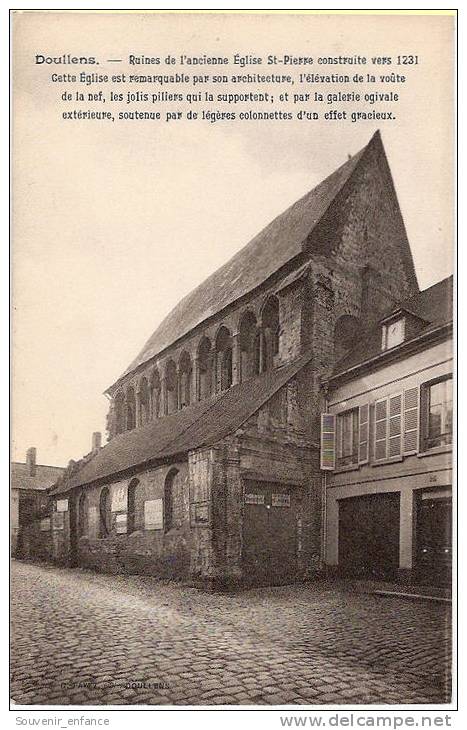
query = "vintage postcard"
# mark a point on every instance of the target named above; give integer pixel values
(233, 254)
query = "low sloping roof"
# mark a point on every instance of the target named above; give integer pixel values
(44, 477)
(433, 307)
(265, 254)
(201, 424)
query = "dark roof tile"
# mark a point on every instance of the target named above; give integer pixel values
(201, 424)
(433, 307)
(44, 477)
(265, 254)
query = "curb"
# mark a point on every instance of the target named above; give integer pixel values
(413, 596)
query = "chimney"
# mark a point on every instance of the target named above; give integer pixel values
(96, 441)
(31, 461)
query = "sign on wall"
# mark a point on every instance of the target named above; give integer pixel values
(45, 524)
(119, 497)
(201, 513)
(153, 515)
(121, 523)
(62, 505)
(280, 500)
(254, 498)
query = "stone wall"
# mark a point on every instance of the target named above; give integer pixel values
(151, 547)
(34, 542)
(272, 446)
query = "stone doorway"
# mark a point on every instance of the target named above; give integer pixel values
(270, 534)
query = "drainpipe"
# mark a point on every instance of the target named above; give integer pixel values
(324, 503)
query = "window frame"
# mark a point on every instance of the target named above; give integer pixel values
(355, 435)
(83, 514)
(105, 519)
(424, 437)
(132, 525)
(384, 342)
(389, 436)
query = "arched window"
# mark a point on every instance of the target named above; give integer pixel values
(257, 353)
(223, 359)
(143, 399)
(104, 513)
(346, 333)
(248, 345)
(130, 403)
(205, 355)
(184, 380)
(83, 515)
(171, 387)
(170, 487)
(132, 521)
(270, 332)
(155, 394)
(119, 413)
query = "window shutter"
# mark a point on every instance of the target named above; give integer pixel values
(381, 428)
(395, 426)
(363, 433)
(328, 441)
(411, 401)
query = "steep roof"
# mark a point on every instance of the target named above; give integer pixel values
(265, 254)
(433, 308)
(44, 477)
(201, 424)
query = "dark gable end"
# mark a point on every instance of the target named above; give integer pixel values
(364, 219)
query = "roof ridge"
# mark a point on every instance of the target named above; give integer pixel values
(221, 417)
(273, 248)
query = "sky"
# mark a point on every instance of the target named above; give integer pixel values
(113, 224)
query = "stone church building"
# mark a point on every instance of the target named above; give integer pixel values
(211, 472)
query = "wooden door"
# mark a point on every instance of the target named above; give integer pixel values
(434, 541)
(270, 533)
(369, 536)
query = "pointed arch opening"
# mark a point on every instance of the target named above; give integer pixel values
(155, 393)
(171, 399)
(143, 401)
(223, 359)
(205, 358)
(270, 332)
(83, 515)
(119, 406)
(130, 408)
(249, 346)
(104, 513)
(132, 521)
(184, 380)
(170, 488)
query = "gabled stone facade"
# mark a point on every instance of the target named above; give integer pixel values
(220, 425)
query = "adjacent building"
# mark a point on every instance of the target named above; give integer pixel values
(212, 469)
(29, 498)
(388, 435)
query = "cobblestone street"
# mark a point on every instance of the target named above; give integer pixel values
(83, 638)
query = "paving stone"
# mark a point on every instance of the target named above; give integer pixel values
(308, 644)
